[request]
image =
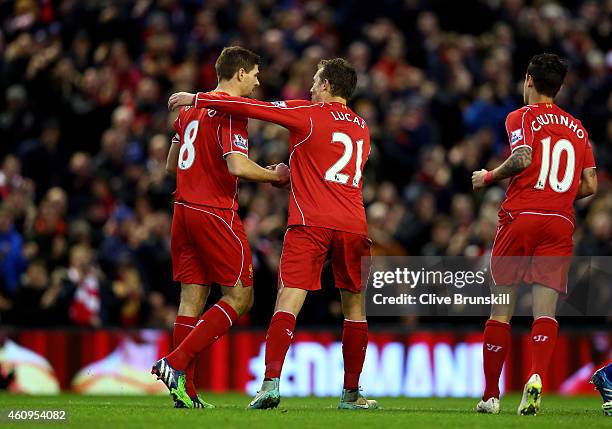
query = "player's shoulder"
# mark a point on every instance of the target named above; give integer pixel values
(520, 113)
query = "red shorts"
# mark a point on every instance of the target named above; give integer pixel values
(533, 248)
(209, 246)
(305, 249)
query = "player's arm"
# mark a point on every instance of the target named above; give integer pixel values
(172, 159)
(521, 140)
(241, 166)
(277, 112)
(518, 161)
(588, 183)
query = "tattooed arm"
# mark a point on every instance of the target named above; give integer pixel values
(519, 160)
(588, 183)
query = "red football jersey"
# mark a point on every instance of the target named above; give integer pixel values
(560, 151)
(206, 137)
(328, 149)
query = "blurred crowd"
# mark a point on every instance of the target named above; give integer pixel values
(86, 202)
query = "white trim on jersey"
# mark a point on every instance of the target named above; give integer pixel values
(234, 151)
(290, 170)
(548, 214)
(230, 228)
(280, 263)
(522, 145)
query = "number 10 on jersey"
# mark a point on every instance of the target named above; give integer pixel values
(334, 173)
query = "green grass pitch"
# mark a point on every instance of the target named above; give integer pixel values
(150, 412)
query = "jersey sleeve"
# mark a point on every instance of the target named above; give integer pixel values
(234, 135)
(589, 158)
(519, 131)
(177, 128)
(292, 115)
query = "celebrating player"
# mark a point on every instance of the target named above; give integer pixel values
(551, 166)
(329, 147)
(209, 245)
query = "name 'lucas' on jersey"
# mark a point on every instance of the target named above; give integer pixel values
(560, 150)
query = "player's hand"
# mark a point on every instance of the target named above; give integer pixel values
(284, 175)
(478, 179)
(179, 99)
(271, 167)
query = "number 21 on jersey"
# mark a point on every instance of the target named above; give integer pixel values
(187, 152)
(334, 174)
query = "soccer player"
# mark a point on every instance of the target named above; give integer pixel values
(551, 165)
(209, 245)
(329, 147)
(602, 379)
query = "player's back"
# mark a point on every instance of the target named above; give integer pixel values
(205, 137)
(327, 169)
(560, 151)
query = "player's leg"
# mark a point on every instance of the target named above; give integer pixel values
(186, 269)
(495, 345)
(289, 302)
(279, 336)
(543, 338)
(354, 346)
(507, 273)
(547, 273)
(191, 306)
(304, 252)
(222, 256)
(350, 258)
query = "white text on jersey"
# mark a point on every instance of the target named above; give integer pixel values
(341, 116)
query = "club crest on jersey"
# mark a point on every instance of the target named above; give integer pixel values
(516, 136)
(241, 142)
(279, 103)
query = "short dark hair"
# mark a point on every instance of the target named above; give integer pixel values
(548, 72)
(234, 58)
(341, 75)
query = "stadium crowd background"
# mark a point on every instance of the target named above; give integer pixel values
(86, 204)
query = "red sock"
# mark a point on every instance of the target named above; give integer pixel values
(278, 340)
(543, 338)
(212, 325)
(354, 345)
(495, 346)
(183, 325)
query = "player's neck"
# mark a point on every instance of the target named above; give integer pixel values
(539, 98)
(228, 88)
(334, 100)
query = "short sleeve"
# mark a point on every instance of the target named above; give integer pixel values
(519, 131)
(177, 128)
(589, 158)
(234, 136)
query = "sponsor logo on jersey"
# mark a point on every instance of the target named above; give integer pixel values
(279, 103)
(516, 136)
(211, 113)
(241, 142)
(540, 338)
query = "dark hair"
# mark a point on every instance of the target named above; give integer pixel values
(341, 75)
(548, 72)
(234, 58)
